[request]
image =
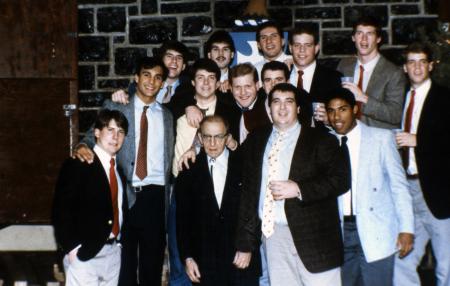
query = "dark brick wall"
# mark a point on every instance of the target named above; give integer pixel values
(113, 32)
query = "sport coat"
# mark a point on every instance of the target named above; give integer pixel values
(82, 211)
(383, 202)
(205, 230)
(433, 150)
(385, 90)
(323, 82)
(318, 167)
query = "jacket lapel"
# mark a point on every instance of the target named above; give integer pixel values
(364, 156)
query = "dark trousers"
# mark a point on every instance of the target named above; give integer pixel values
(144, 240)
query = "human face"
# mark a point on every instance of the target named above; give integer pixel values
(244, 90)
(213, 137)
(221, 53)
(284, 110)
(418, 68)
(270, 43)
(303, 50)
(341, 115)
(366, 41)
(149, 82)
(110, 138)
(205, 84)
(174, 62)
(271, 78)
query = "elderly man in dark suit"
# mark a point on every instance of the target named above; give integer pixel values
(291, 178)
(90, 207)
(146, 159)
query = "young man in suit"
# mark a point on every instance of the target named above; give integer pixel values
(424, 142)
(378, 85)
(90, 206)
(292, 176)
(146, 159)
(377, 210)
(208, 196)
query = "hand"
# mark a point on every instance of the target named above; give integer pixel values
(72, 255)
(231, 143)
(405, 242)
(320, 114)
(83, 153)
(357, 92)
(192, 270)
(194, 116)
(224, 86)
(120, 96)
(284, 189)
(184, 160)
(242, 259)
(405, 139)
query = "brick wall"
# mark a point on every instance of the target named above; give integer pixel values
(113, 32)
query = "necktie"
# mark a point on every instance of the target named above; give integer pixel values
(408, 121)
(300, 80)
(268, 213)
(166, 97)
(346, 152)
(360, 86)
(114, 194)
(141, 162)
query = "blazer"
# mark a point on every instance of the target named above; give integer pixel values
(82, 211)
(318, 167)
(383, 202)
(205, 230)
(385, 90)
(323, 82)
(432, 151)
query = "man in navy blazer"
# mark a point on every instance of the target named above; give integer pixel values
(90, 206)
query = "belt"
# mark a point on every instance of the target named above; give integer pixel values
(148, 188)
(111, 240)
(349, 218)
(412, 177)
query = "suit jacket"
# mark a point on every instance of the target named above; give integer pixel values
(383, 202)
(385, 90)
(432, 151)
(205, 230)
(318, 167)
(324, 81)
(82, 209)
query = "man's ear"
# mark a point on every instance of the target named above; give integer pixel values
(136, 78)
(97, 133)
(355, 109)
(199, 135)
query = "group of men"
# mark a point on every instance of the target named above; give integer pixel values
(318, 177)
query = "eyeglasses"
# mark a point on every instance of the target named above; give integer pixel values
(218, 137)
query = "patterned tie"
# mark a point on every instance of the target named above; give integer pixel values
(268, 213)
(408, 122)
(346, 152)
(360, 86)
(300, 80)
(141, 162)
(114, 194)
(166, 97)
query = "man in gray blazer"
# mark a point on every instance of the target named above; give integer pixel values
(145, 159)
(378, 85)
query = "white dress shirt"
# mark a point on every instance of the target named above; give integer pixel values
(368, 70)
(163, 90)
(307, 77)
(259, 65)
(243, 132)
(219, 167)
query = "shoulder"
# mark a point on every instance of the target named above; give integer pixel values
(320, 68)
(349, 61)
(387, 64)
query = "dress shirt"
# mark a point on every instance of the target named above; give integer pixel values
(163, 90)
(243, 132)
(287, 148)
(224, 76)
(259, 65)
(308, 74)
(368, 70)
(105, 159)
(353, 144)
(419, 99)
(219, 174)
(155, 143)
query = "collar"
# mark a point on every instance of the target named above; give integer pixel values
(104, 157)
(309, 69)
(222, 159)
(139, 104)
(353, 135)
(371, 64)
(291, 130)
(424, 87)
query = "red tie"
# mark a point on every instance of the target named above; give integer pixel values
(300, 80)
(141, 162)
(360, 86)
(408, 120)
(114, 194)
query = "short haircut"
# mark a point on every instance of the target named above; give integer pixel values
(301, 99)
(271, 24)
(214, 118)
(219, 36)
(275, 66)
(304, 29)
(205, 64)
(105, 116)
(418, 48)
(343, 94)
(149, 63)
(175, 46)
(241, 70)
(368, 21)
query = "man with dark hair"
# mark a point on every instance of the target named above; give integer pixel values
(146, 159)
(292, 175)
(90, 207)
(378, 85)
(377, 210)
(424, 142)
